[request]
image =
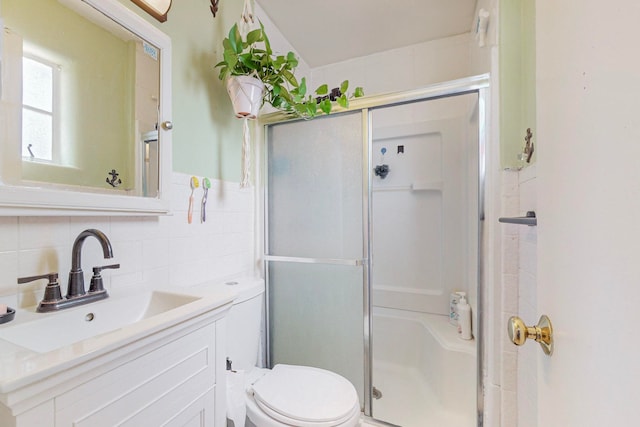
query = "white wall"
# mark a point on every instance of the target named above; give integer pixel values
(402, 69)
(151, 250)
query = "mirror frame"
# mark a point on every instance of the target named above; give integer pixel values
(150, 7)
(68, 201)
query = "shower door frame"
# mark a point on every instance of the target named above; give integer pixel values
(480, 85)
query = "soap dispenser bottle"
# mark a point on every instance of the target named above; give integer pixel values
(464, 318)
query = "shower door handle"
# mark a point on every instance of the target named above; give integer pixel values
(332, 261)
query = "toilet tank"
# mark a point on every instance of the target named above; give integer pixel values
(244, 323)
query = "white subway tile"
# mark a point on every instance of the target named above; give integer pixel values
(125, 229)
(79, 224)
(155, 253)
(189, 274)
(8, 234)
(118, 281)
(128, 255)
(40, 232)
(510, 183)
(152, 251)
(510, 205)
(8, 272)
(156, 277)
(510, 293)
(45, 260)
(509, 379)
(509, 409)
(528, 173)
(510, 254)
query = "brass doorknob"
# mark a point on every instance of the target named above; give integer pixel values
(519, 332)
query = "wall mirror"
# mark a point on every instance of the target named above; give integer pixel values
(84, 109)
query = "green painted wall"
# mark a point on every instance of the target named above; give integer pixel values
(207, 137)
(517, 79)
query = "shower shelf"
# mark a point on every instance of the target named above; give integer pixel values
(529, 219)
(416, 186)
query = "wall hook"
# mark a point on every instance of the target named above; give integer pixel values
(527, 153)
(114, 181)
(214, 7)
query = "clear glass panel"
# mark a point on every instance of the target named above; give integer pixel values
(37, 131)
(424, 239)
(315, 210)
(37, 88)
(315, 188)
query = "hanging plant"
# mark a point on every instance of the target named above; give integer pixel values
(252, 56)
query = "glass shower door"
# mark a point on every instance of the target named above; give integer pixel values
(315, 244)
(424, 247)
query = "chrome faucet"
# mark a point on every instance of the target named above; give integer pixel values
(75, 286)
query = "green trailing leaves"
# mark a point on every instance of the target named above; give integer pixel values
(253, 56)
(325, 106)
(292, 60)
(344, 86)
(343, 101)
(289, 77)
(302, 89)
(247, 59)
(265, 39)
(235, 39)
(322, 90)
(254, 37)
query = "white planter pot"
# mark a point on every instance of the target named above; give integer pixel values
(246, 95)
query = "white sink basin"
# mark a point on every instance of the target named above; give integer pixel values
(51, 331)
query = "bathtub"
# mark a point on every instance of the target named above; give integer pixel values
(425, 373)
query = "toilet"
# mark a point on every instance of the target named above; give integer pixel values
(287, 395)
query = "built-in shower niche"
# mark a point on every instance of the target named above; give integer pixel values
(425, 210)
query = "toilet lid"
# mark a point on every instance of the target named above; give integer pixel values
(305, 394)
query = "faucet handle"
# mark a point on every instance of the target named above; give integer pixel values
(96, 281)
(97, 270)
(53, 277)
(52, 292)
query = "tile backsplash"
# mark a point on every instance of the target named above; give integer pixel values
(151, 251)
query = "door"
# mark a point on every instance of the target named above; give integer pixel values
(316, 243)
(588, 208)
(424, 247)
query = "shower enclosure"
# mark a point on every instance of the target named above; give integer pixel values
(373, 218)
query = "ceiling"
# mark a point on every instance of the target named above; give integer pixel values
(328, 31)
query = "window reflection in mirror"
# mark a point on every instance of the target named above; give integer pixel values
(89, 99)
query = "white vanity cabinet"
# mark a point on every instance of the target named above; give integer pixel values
(171, 385)
(174, 377)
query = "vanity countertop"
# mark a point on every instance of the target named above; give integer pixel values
(21, 366)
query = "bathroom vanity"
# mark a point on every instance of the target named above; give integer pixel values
(161, 368)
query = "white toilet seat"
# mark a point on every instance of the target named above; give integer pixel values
(302, 396)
